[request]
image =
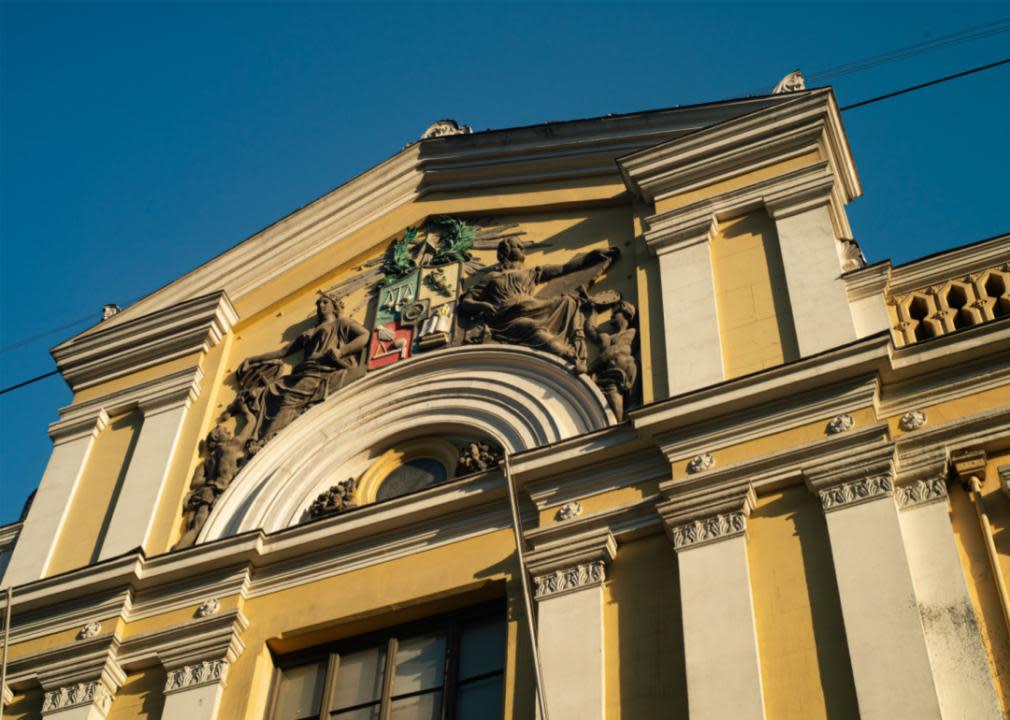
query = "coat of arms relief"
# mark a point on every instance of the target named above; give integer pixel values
(431, 290)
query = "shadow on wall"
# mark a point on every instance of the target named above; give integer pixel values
(644, 622)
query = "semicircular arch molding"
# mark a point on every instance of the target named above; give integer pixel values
(519, 397)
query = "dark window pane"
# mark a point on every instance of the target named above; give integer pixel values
(299, 692)
(481, 649)
(359, 678)
(419, 664)
(418, 707)
(365, 713)
(480, 700)
(413, 475)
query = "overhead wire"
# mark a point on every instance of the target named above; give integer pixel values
(851, 106)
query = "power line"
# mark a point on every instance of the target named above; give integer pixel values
(28, 382)
(930, 83)
(861, 103)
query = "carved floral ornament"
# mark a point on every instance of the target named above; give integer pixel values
(912, 420)
(921, 492)
(856, 491)
(201, 673)
(430, 291)
(700, 463)
(568, 511)
(82, 693)
(570, 578)
(716, 527)
(89, 631)
(839, 424)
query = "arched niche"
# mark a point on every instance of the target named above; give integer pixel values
(518, 397)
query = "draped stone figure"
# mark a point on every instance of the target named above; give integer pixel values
(331, 358)
(224, 455)
(505, 306)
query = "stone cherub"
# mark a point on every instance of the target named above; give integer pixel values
(615, 369)
(338, 498)
(224, 455)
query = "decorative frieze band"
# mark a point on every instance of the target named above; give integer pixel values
(82, 693)
(190, 676)
(570, 578)
(921, 492)
(856, 491)
(716, 527)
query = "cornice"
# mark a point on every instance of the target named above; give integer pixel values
(578, 561)
(178, 388)
(113, 349)
(519, 156)
(867, 281)
(9, 535)
(744, 144)
(949, 264)
(217, 637)
(856, 361)
(782, 195)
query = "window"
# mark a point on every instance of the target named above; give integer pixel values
(448, 669)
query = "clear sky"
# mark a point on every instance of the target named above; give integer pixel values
(139, 140)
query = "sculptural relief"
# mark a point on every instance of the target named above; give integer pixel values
(431, 289)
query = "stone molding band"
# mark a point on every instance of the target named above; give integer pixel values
(856, 491)
(206, 672)
(710, 529)
(921, 492)
(82, 693)
(574, 577)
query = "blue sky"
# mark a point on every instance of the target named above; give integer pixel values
(139, 140)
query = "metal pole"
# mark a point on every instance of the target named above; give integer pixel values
(531, 626)
(7, 632)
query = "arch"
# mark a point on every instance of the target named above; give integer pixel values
(521, 398)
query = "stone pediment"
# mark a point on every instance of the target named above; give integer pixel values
(435, 167)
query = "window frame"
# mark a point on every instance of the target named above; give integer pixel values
(450, 624)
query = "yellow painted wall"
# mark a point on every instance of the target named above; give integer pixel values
(140, 697)
(752, 301)
(87, 522)
(643, 635)
(25, 706)
(801, 639)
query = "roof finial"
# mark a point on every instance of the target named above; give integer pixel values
(446, 127)
(793, 82)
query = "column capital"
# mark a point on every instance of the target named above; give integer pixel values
(205, 672)
(571, 563)
(88, 422)
(705, 514)
(854, 492)
(921, 492)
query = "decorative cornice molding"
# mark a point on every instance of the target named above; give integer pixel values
(921, 492)
(571, 562)
(93, 692)
(568, 511)
(948, 264)
(114, 349)
(912, 420)
(573, 577)
(206, 672)
(839, 424)
(173, 390)
(695, 512)
(710, 529)
(89, 631)
(804, 123)
(856, 491)
(208, 607)
(700, 463)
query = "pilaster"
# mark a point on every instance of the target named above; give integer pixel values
(708, 529)
(164, 408)
(73, 437)
(568, 578)
(887, 646)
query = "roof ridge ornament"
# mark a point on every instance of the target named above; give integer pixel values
(446, 127)
(793, 82)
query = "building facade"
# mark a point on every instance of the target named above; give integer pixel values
(755, 477)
